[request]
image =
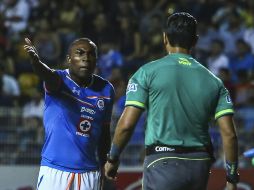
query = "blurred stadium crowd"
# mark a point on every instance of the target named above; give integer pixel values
(128, 34)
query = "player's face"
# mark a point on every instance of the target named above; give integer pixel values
(82, 60)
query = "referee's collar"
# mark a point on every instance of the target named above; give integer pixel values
(179, 54)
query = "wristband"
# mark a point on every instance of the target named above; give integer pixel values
(114, 154)
(112, 160)
(232, 174)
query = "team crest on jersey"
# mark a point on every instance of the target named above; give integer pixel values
(84, 128)
(228, 99)
(100, 104)
(132, 87)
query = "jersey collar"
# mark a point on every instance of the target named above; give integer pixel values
(69, 77)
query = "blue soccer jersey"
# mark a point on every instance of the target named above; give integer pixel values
(73, 121)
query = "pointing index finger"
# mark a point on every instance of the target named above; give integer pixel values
(28, 41)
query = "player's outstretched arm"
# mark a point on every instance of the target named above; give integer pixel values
(230, 147)
(42, 70)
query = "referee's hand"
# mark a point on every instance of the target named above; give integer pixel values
(111, 170)
(231, 186)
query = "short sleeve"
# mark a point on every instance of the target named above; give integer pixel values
(225, 104)
(59, 83)
(108, 112)
(137, 90)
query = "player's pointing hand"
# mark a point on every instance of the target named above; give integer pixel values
(31, 50)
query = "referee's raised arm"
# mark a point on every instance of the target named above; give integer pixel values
(41, 69)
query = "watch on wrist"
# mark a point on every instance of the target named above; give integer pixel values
(233, 179)
(232, 174)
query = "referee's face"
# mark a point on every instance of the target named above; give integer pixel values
(82, 59)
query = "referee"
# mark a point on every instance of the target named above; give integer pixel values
(180, 96)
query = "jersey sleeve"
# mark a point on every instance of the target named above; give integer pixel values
(59, 84)
(108, 112)
(137, 90)
(225, 104)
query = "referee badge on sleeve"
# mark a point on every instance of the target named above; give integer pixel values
(132, 87)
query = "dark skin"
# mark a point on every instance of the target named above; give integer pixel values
(131, 115)
(82, 63)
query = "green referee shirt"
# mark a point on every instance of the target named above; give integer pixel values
(180, 96)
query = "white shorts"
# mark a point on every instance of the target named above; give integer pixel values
(53, 179)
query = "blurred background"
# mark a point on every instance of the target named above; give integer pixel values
(128, 34)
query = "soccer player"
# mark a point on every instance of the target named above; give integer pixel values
(78, 106)
(180, 96)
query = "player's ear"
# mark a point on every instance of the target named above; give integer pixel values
(68, 59)
(166, 42)
(165, 39)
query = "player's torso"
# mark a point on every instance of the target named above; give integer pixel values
(83, 108)
(182, 97)
(73, 120)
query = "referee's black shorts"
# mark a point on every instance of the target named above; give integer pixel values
(177, 171)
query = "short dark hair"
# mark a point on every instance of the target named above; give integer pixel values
(84, 40)
(181, 30)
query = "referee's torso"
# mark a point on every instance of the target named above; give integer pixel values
(181, 96)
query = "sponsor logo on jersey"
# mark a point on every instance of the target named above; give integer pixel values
(228, 99)
(184, 61)
(84, 128)
(100, 104)
(132, 87)
(87, 110)
(163, 149)
(87, 117)
(76, 91)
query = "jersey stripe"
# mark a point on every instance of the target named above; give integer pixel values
(70, 182)
(223, 112)
(135, 103)
(40, 181)
(72, 80)
(79, 181)
(68, 77)
(95, 97)
(77, 99)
